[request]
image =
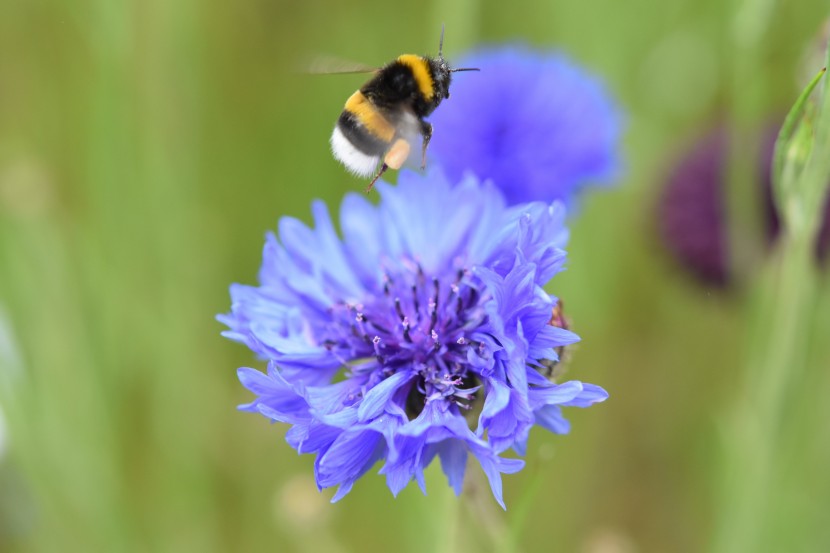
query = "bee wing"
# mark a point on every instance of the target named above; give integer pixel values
(328, 65)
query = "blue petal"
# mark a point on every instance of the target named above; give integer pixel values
(311, 438)
(550, 417)
(453, 455)
(376, 399)
(349, 457)
(363, 237)
(331, 398)
(590, 394)
(509, 425)
(552, 336)
(342, 491)
(259, 383)
(496, 400)
(276, 399)
(330, 251)
(493, 466)
(345, 419)
(557, 394)
(398, 475)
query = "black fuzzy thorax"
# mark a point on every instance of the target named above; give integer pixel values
(395, 86)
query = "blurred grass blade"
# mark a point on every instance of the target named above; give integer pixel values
(11, 364)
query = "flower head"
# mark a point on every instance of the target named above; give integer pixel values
(382, 344)
(534, 122)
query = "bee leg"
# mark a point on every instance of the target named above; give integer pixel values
(394, 159)
(426, 132)
(383, 169)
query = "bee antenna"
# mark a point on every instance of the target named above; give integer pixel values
(465, 69)
(441, 42)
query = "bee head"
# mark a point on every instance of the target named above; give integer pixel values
(442, 72)
(442, 75)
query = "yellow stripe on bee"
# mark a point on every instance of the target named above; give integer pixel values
(420, 69)
(370, 117)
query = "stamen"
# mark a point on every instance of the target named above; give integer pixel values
(378, 355)
(415, 301)
(405, 324)
(399, 309)
(359, 330)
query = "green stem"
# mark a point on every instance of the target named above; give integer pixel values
(523, 508)
(776, 359)
(449, 523)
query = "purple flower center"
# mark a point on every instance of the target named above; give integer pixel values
(415, 322)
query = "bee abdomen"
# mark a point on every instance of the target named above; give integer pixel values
(353, 158)
(361, 136)
(362, 115)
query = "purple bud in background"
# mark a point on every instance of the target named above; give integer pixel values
(692, 209)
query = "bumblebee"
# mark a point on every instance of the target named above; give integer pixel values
(383, 119)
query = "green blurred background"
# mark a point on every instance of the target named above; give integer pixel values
(145, 148)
